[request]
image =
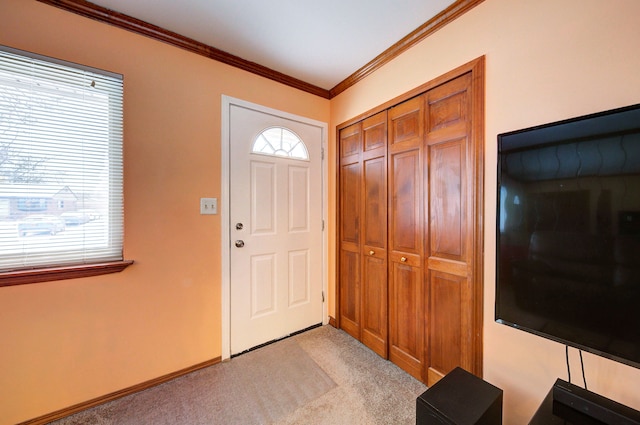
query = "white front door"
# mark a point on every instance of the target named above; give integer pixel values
(275, 219)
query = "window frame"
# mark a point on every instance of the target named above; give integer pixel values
(264, 135)
(53, 272)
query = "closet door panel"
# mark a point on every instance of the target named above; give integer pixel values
(374, 131)
(375, 181)
(452, 309)
(445, 325)
(350, 143)
(349, 269)
(405, 226)
(406, 291)
(350, 187)
(406, 239)
(374, 232)
(406, 124)
(406, 341)
(374, 257)
(375, 203)
(350, 292)
(374, 304)
(447, 195)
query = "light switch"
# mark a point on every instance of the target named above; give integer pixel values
(208, 205)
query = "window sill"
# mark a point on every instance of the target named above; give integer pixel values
(23, 277)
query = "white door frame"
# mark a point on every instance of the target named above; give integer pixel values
(223, 207)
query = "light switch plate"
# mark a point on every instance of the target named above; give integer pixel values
(208, 205)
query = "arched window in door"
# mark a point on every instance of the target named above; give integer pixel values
(280, 141)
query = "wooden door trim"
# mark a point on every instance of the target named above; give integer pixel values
(477, 136)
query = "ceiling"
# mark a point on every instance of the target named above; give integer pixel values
(318, 42)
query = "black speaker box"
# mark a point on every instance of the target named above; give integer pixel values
(460, 398)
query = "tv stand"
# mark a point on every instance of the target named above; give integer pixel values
(569, 404)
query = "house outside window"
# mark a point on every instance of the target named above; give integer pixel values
(60, 163)
(32, 204)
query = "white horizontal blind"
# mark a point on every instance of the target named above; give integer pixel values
(60, 163)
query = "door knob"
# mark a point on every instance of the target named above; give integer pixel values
(239, 244)
(403, 259)
(371, 252)
(239, 226)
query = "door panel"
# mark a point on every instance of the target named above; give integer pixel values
(453, 307)
(374, 131)
(374, 232)
(350, 291)
(263, 285)
(406, 239)
(405, 207)
(299, 279)
(374, 303)
(350, 187)
(299, 185)
(351, 143)
(375, 203)
(446, 324)
(447, 106)
(447, 194)
(406, 321)
(406, 123)
(350, 184)
(262, 193)
(276, 232)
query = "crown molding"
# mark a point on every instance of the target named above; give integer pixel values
(120, 20)
(448, 15)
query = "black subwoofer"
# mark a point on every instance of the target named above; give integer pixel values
(460, 398)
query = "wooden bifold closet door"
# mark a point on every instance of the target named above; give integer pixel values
(410, 227)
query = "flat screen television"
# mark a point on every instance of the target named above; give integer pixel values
(568, 232)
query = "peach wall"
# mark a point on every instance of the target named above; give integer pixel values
(546, 60)
(70, 341)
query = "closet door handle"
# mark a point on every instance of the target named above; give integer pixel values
(403, 259)
(372, 252)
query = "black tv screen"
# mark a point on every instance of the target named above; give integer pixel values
(568, 232)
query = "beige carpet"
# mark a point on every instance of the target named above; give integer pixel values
(322, 376)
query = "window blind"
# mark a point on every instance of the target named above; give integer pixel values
(61, 199)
